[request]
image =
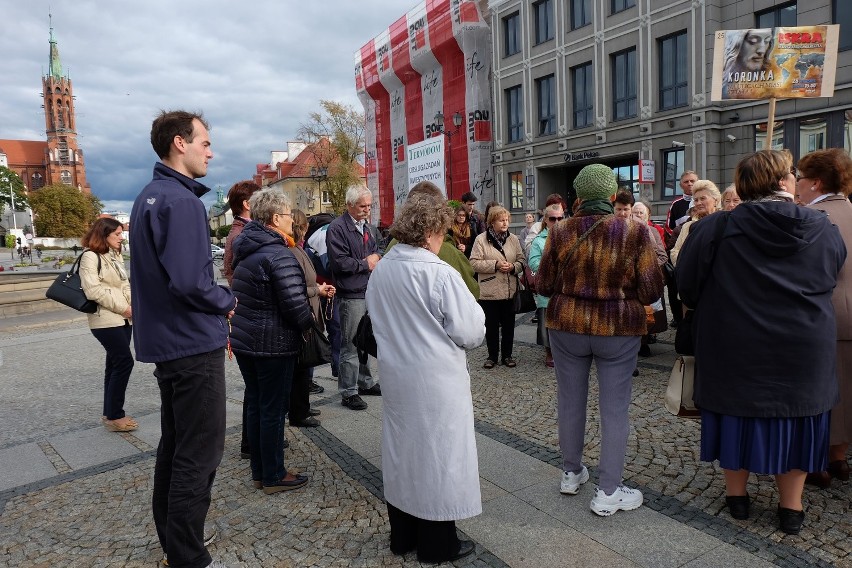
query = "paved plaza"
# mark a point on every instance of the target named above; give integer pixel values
(73, 494)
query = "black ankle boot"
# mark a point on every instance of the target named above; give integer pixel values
(739, 506)
(789, 520)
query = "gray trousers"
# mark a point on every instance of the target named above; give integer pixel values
(352, 374)
(615, 360)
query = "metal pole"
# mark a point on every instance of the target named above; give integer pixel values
(12, 197)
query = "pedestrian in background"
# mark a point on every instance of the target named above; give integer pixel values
(179, 315)
(498, 260)
(474, 217)
(268, 323)
(429, 459)
(552, 215)
(529, 219)
(760, 280)
(824, 182)
(461, 232)
(104, 280)
(706, 200)
(599, 273)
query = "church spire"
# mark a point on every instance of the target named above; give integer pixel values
(55, 64)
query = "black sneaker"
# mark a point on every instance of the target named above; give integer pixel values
(316, 389)
(354, 402)
(374, 390)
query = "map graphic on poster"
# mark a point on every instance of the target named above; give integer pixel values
(784, 63)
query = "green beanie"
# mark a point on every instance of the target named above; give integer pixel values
(595, 181)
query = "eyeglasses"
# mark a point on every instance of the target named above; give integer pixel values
(554, 219)
(794, 171)
(284, 214)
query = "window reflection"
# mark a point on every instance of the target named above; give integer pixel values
(812, 134)
(777, 136)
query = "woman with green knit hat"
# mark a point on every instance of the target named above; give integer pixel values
(600, 272)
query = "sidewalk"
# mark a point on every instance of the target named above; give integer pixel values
(81, 495)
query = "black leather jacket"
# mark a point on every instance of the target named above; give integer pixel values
(273, 308)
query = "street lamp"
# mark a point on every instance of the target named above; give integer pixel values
(457, 121)
(319, 175)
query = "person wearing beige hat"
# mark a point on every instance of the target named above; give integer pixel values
(599, 272)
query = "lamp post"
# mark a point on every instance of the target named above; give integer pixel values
(457, 121)
(319, 175)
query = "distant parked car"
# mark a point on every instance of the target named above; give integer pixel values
(218, 255)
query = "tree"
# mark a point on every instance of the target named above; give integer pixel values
(8, 177)
(64, 211)
(222, 232)
(335, 138)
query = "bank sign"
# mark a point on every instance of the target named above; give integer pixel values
(426, 162)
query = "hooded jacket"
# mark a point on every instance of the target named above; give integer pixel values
(764, 325)
(273, 308)
(178, 309)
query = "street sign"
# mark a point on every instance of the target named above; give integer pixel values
(647, 171)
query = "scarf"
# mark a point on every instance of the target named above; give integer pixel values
(288, 240)
(461, 231)
(596, 207)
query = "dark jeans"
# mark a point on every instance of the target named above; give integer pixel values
(499, 313)
(268, 382)
(300, 394)
(674, 301)
(119, 364)
(192, 420)
(435, 541)
(332, 327)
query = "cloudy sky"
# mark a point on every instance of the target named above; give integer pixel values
(256, 69)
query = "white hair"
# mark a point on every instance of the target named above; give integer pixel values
(356, 192)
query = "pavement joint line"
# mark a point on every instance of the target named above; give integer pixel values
(59, 464)
(669, 506)
(137, 443)
(370, 477)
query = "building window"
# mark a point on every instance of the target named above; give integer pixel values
(624, 84)
(543, 12)
(777, 17)
(581, 13)
(621, 5)
(673, 168)
(516, 190)
(673, 71)
(628, 178)
(847, 131)
(65, 177)
(37, 181)
(546, 91)
(777, 136)
(512, 33)
(515, 113)
(326, 197)
(813, 133)
(583, 83)
(842, 10)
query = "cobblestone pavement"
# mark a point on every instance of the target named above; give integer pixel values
(100, 515)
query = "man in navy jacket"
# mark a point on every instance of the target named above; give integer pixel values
(352, 256)
(179, 323)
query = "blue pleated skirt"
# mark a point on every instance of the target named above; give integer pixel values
(765, 445)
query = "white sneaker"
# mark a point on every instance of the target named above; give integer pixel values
(571, 482)
(623, 498)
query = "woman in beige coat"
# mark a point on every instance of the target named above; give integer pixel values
(497, 258)
(823, 182)
(105, 281)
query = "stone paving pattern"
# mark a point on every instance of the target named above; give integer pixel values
(100, 516)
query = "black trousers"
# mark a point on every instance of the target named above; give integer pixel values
(192, 420)
(499, 314)
(300, 394)
(435, 541)
(674, 301)
(119, 364)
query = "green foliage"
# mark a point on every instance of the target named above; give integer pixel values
(10, 241)
(454, 203)
(223, 231)
(64, 211)
(7, 176)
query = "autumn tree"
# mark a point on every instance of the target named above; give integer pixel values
(9, 178)
(335, 138)
(64, 211)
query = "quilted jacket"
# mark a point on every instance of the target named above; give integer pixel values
(273, 308)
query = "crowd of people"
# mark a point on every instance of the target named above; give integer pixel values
(777, 237)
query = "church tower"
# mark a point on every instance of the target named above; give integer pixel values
(64, 158)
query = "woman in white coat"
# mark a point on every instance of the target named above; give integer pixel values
(424, 318)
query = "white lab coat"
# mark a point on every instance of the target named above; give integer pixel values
(424, 318)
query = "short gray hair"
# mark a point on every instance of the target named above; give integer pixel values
(356, 192)
(267, 202)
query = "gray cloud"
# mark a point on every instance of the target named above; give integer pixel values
(255, 69)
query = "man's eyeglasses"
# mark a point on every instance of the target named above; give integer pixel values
(554, 219)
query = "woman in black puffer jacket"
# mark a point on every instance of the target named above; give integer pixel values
(272, 313)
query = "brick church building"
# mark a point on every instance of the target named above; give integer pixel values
(58, 159)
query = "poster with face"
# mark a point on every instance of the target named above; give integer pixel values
(775, 62)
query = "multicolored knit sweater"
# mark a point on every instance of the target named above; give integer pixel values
(609, 278)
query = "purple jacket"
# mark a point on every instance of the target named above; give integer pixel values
(346, 253)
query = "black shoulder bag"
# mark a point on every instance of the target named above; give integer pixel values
(68, 290)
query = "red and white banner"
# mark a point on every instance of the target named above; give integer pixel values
(436, 58)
